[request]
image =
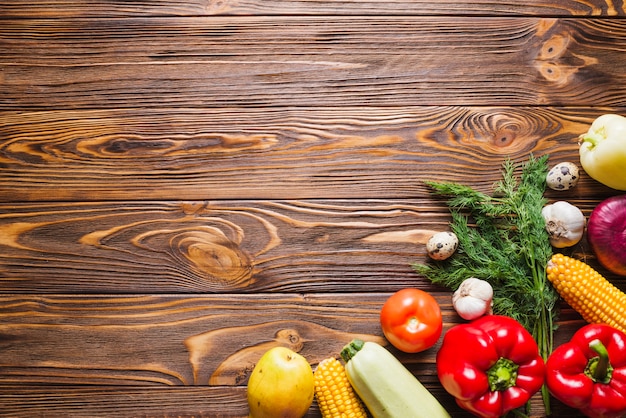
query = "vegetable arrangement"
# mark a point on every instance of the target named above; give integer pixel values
(498, 258)
(508, 247)
(492, 230)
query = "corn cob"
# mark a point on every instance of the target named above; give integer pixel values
(335, 396)
(587, 291)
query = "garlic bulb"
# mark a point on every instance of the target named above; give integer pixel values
(473, 298)
(565, 223)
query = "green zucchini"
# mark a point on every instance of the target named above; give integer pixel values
(386, 387)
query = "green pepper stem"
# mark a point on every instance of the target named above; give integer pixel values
(502, 375)
(591, 137)
(599, 368)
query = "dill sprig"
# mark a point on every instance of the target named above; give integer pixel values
(503, 240)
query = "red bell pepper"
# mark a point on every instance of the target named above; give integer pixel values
(490, 365)
(589, 372)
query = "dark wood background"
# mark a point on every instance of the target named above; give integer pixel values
(187, 184)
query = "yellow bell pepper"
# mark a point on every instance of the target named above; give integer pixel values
(603, 151)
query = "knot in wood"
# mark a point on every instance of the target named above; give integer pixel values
(212, 256)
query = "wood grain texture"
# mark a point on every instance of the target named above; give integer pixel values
(305, 61)
(184, 184)
(224, 246)
(276, 153)
(240, 246)
(77, 8)
(180, 341)
(177, 401)
(169, 340)
(118, 402)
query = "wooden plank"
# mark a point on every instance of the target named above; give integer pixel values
(177, 401)
(116, 8)
(304, 61)
(280, 153)
(174, 340)
(127, 401)
(224, 246)
(181, 190)
(140, 345)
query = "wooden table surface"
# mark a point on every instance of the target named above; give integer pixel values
(186, 184)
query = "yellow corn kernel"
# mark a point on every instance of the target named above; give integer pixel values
(335, 396)
(587, 291)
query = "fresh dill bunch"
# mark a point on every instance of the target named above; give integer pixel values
(503, 240)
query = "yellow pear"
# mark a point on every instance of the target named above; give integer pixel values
(281, 385)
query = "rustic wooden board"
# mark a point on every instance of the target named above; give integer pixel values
(311, 61)
(185, 184)
(276, 153)
(126, 401)
(193, 340)
(222, 246)
(177, 401)
(113, 8)
(190, 341)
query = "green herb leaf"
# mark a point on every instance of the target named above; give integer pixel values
(503, 240)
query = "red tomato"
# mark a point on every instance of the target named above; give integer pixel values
(411, 320)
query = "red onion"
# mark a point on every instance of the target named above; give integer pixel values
(606, 233)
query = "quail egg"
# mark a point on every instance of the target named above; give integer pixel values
(442, 245)
(562, 176)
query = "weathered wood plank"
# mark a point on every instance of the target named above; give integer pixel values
(173, 340)
(181, 191)
(117, 8)
(145, 342)
(283, 153)
(304, 61)
(223, 246)
(126, 401)
(176, 401)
